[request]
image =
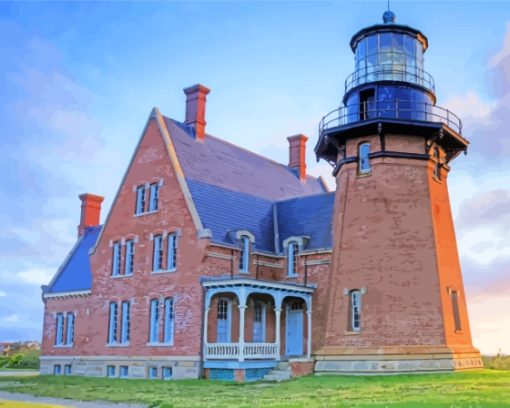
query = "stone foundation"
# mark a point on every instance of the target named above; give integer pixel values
(436, 361)
(174, 368)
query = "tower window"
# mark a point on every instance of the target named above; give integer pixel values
(172, 252)
(437, 164)
(244, 258)
(363, 158)
(70, 329)
(126, 321)
(130, 252)
(354, 323)
(366, 104)
(168, 336)
(455, 308)
(154, 322)
(116, 259)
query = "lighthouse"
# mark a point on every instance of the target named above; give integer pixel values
(395, 300)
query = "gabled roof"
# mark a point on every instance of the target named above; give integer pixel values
(222, 164)
(74, 274)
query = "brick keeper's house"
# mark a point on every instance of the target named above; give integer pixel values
(215, 261)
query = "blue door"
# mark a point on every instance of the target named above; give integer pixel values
(294, 329)
(223, 321)
(259, 323)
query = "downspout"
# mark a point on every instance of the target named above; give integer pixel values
(232, 264)
(306, 270)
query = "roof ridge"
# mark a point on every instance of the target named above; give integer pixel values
(304, 196)
(219, 139)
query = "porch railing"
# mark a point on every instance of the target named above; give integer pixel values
(232, 351)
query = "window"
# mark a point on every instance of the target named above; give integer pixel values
(124, 371)
(292, 258)
(455, 308)
(59, 334)
(110, 371)
(140, 200)
(244, 258)
(437, 164)
(67, 369)
(153, 203)
(172, 252)
(355, 310)
(223, 325)
(70, 329)
(167, 373)
(112, 327)
(157, 257)
(366, 104)
(154, 322)
(363, 158)
(57, 369)
(168, 334)
(129, 258)
(116, 259)
(153, 372)
(126, 322)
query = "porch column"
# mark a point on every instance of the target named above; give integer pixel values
(242, 309)
(277, 312)
(309, 320)
(206, 323)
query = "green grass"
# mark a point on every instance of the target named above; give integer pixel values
(475, 389)
(498, 362)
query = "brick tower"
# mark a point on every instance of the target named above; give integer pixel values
(396, 300)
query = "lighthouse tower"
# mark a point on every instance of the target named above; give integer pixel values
(396, 300)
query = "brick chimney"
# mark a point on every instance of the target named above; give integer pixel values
(297, 154)
(196, 96)
(90, 211)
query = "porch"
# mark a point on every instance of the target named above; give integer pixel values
(243, 322)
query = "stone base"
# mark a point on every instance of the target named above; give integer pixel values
(137, 367)
(409, 360)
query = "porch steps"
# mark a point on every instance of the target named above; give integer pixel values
(281, 372)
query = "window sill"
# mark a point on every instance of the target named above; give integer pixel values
(160, 344)
(352, 333)
(117, 344)
(292, 276)
(63, 345)
(162, 271)
(367, 174)
(438, 180)
(120, 276)
(459, 331)
(241, 272)
(146, 213)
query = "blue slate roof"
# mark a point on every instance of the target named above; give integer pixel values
(74, 274)
(307, 216)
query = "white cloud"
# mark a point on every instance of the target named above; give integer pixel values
(2, 293)
(36, 275)
(470, 106)
(11, 318)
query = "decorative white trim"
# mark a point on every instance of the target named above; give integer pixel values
(67, 295)
(266, 284)
(162, 271)
(301, 240)
(145, 213)
(204, 233)
(268, 264)
(119, 276)
(318, 262)
(117, 344)
(241, 233)
(63, 345)
(219, 256)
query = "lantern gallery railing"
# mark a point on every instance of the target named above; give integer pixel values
(232, 351)
(390, 109)
(390, 72)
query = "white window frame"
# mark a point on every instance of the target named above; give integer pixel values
(140, 199)
(113, 308)
(154, 321)
(110, 371)
(355, 310)
(169, 321)
(157, 254)
(164, 372)
(154, 197)
(116, 258)
(68, 369)
(364, 166)
(124, 371)
(59, 329)
(126, 322)
(70, 329)
(129, 257)
(292, 259)
(244, 256)
(171, 252)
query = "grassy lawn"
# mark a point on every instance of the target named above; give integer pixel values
(475, 389)
(16, 404)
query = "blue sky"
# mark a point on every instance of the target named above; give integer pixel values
(78, 81)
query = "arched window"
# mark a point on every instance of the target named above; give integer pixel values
(126, 321)
(112, 327)
(154, 322)
(244, 257)
(59, 326)
(70, 329)
(172, 252)
(363, 159)
(292, 258)
(354, 310)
